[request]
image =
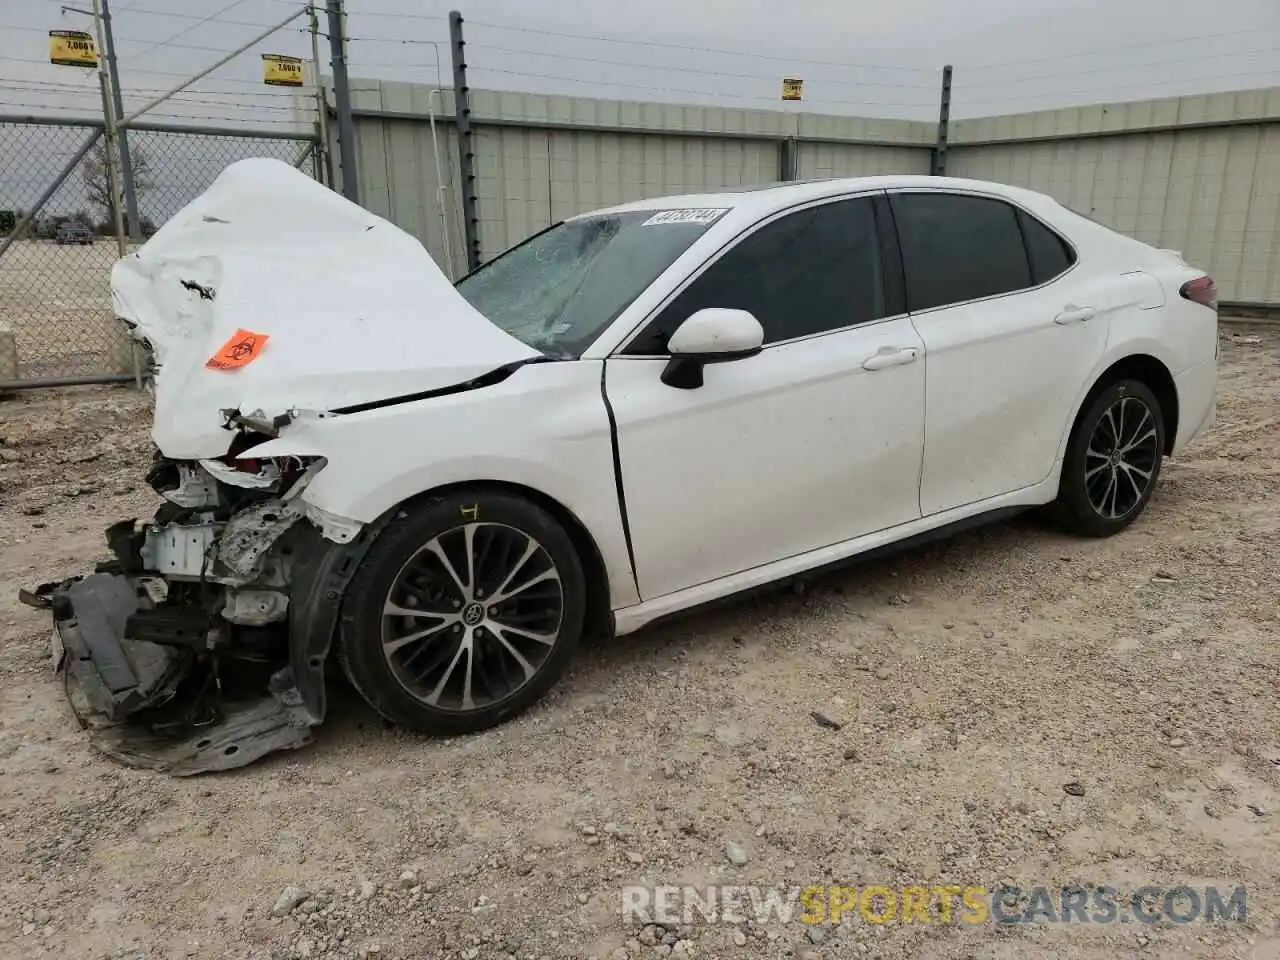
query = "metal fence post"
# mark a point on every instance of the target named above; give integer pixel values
(342, 101)
(466, 145)
(126, 161)
(939, 165)
(323, 165)
(788, 149)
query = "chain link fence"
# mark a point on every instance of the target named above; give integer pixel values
(56, 321)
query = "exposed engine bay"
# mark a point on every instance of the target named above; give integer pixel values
(201, 645)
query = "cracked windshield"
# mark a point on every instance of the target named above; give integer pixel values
(562, 287)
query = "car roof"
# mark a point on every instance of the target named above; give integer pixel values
(762, 199)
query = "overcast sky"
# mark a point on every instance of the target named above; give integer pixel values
(865, 57)
(860, 57)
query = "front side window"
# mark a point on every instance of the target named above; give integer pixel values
(561, 288)
(957, 247)
(808, 272)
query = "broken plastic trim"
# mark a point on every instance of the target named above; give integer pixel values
(206, 293)
(267, 427)
(492, 378)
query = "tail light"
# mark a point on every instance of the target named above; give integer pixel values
(1201, 290)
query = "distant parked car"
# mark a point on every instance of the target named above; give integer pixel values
(73, 232)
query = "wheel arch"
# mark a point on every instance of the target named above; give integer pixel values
(599, 620)
(321, 579)
(1146, 369)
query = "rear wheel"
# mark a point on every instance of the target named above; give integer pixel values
(1113, 461)
(464, 612)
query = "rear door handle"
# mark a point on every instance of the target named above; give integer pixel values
(891, 357)
(1073, 314)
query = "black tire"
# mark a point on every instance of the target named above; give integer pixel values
(404, 543)
(1084, 472)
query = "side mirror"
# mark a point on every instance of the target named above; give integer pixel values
(712, 335)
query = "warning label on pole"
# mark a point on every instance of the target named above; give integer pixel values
(281, 71)
(792, 89)
(72, 48)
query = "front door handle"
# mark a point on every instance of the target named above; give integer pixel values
(1073, 314)
(891, 357)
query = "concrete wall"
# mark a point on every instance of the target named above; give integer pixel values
(1197, 174)
(540, 159)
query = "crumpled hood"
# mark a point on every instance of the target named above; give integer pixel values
(352, 308)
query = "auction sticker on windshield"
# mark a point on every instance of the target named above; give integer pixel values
(699, 216)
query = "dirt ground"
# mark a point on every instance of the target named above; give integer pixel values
(970, 681)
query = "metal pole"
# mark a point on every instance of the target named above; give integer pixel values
(24, 224)
(208, 70)
(117, 100)
(322, 105)
(939, 164)
(342, 101)
(111, 130)
(109, 116)
(442, 191)
(787, 149)
(8, 386)
(466, 146)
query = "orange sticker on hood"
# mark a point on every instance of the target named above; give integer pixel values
(242, 349)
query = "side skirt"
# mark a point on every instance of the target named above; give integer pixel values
(836, 556)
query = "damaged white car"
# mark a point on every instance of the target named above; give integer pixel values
(441, 488)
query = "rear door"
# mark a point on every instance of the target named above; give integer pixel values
(1012, 329)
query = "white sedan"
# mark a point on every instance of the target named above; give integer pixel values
(631, 413)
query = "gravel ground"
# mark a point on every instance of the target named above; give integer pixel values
(960, 688)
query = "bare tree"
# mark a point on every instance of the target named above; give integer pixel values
(95, 178)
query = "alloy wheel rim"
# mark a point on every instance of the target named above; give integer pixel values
(1121, 458)
(472, 616)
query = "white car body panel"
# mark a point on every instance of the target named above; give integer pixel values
(778, 455)
(1034, 349)
(779, 463)
(630, 619)
(380, 458)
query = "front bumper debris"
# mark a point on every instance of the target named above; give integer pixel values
(202, 645)
(156, 705)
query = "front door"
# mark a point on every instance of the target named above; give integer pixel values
(815, 440)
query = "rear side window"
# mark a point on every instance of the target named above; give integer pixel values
(957, 248)
(1049, 253)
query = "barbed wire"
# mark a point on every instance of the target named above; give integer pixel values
(73, 88)
(301, 110)
(964, 84)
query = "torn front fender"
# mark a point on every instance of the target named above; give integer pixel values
(319, 583)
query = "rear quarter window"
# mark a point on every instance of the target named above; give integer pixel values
(1050, 255)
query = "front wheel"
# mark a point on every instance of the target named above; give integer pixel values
(1113, 461)
(463, 613)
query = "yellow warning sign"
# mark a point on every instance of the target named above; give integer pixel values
(281, 71)
(72, 48)
(792, 89)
